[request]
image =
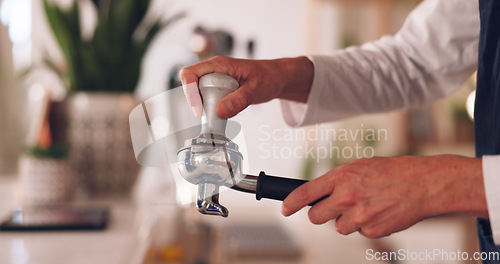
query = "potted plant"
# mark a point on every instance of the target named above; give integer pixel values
(45, 176)
(100, 74)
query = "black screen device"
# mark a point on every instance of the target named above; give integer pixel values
(56, 218)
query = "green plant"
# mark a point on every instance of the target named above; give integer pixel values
(111, 59)
(54, 152)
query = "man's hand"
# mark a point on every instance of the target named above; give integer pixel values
(380, 196)
(260, 81)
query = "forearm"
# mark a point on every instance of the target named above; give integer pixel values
(456, 186)
(297, 76)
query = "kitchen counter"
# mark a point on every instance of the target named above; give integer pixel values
(121, 242)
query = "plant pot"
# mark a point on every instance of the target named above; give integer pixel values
(45, 181)
(96, 129)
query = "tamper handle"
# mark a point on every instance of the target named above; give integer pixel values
(213, 87)
(278, 188)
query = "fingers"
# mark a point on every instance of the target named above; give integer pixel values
(353, 220)
(192, 73)
(324, 211)
(193, 97)
(306, 194)
(189, 77)
(344, 226)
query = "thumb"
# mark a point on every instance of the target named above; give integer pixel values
(233, 103)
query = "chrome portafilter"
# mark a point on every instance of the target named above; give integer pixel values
(212, 160)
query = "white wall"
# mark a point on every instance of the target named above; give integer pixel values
(278, 27)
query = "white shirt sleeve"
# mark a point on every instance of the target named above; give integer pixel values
(491, 178)
(432, 55)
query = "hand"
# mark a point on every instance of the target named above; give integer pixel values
(380, 196)
(260, 81)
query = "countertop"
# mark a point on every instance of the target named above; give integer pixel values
(121, 242)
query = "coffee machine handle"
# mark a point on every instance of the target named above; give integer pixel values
(278, 188)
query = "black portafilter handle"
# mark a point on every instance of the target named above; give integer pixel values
(278, 188)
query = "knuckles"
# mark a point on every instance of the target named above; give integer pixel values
(315, 219)
(243, 100)
(221, 61)
(361, 218)
(218, 59)
(339, 227)
(357, 219)
(371, 232)
(185, 71)
(349, 197)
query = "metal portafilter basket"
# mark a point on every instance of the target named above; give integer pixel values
(212, 160)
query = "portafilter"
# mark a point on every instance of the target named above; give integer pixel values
(212, 160)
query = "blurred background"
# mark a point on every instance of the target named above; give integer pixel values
(71, 72)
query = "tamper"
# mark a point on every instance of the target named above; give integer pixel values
(211, 159)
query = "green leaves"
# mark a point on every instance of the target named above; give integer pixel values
(66, 28)
(53, 152)
(111, 60)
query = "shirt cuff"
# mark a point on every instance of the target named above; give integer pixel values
(299, 114)
(491, 176)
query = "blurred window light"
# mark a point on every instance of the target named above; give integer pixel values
(36, 92)
(198, 43)
(17, 16)
(471, 99)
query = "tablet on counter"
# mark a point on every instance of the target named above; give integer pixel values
(56, 218)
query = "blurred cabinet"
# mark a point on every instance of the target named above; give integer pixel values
(370, 18)
(9, 106)
(336, 24)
